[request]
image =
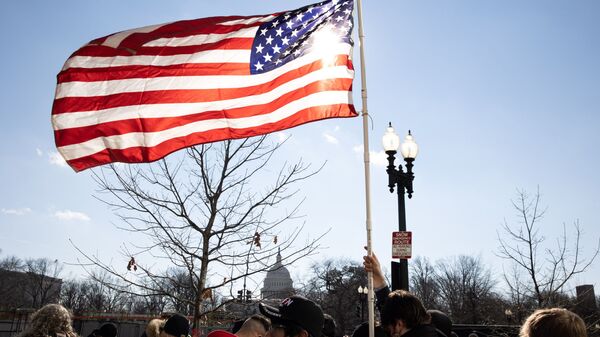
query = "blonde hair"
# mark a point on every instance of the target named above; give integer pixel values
(553, 322)
(50, 320)
(153, 327)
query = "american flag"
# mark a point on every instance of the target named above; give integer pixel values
(138, 95)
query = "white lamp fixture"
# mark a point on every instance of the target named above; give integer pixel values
(409, 148)
(391, 141)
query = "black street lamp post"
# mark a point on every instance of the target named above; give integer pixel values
(509, 315)
(403, 183)
(362, 294)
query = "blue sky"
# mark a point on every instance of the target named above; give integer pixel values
(500, 95)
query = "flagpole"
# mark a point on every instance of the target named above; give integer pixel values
(365, 115)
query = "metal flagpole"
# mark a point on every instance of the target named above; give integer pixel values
(365, 115)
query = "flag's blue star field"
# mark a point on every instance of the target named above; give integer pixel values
(289, 35)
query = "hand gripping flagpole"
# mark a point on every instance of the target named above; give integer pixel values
(365, 115)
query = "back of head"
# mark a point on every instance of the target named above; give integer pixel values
(154, 326)
(441, 321)
(402, 305)
(553, 322)
(256, 324)
(107, 330)
(363, 331)
(328, 326)
(177, 325)
(51, 319)
(237, 325)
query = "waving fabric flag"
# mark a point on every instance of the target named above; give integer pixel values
(138, 95)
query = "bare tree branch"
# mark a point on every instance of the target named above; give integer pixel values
(202, 207)
(520, 244)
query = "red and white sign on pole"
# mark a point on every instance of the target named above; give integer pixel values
(401, 245)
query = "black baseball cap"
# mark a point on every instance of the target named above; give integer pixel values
(299, 311)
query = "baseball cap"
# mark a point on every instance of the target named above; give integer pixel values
(296, 310)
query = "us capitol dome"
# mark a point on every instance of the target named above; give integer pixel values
(278, 284)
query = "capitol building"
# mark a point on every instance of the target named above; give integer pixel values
(278, 284)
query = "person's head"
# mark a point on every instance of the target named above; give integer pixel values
(401, 312)
(176, 326)
(441, 322)
(107, 330)
(328, 326)
(236, 326)
(553, 322)
(154, 326)
(254, 326)
(295, 317)
(363, 331)
(50, 320)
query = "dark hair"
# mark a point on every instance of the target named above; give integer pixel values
(441, 322)
(402, 305)
(328, 326)
(363, 331)
(236, 326)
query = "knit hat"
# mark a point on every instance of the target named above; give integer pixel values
(177, 325)
(299, 311)
(107, 330)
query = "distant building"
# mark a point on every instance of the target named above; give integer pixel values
(27, 290)
(278, 284)
(585, 305)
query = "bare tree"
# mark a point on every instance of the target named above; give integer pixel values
(541, 271)
(424, 282)
(153, 305)
(212, 211)
(465, 285)
(11, 263)
(73, 296)
(43, 283)
(105, 293)
(96, 294)
(519, 301)
(334, 285)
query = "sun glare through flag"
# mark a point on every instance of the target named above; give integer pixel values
(138, 95)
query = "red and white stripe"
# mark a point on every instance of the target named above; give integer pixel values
(138, 95)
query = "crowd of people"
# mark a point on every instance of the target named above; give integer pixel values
(402, 314)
